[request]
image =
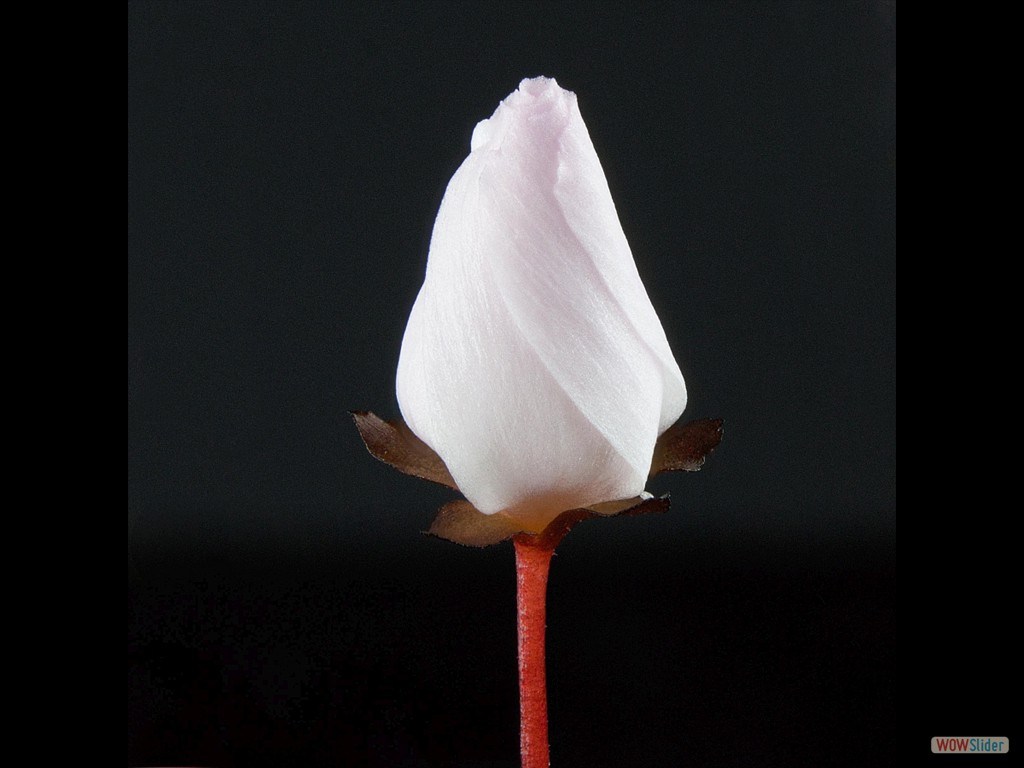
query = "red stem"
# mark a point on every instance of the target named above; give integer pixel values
(533, 558)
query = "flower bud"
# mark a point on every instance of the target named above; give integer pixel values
(533, 362)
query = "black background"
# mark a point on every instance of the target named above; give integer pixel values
(285, 163)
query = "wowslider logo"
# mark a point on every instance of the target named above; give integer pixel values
(971, 745)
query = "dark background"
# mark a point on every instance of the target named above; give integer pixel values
(285, 163)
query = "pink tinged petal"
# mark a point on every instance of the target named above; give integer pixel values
(533, 362)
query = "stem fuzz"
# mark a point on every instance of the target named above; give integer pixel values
(533, 559)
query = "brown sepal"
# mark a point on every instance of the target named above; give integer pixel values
(681, 447)
(686, 446)
(394, 443)
(460, 522)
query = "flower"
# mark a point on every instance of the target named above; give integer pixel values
(533, 362)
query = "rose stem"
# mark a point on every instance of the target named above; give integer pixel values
(533, 558)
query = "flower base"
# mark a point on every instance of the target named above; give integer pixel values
(684, 446)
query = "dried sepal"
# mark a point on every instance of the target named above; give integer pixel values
(642, 505)
(460, 522)
(681, 447)
(394, 443)
(561, 525)
(685, 446)
(621, 506)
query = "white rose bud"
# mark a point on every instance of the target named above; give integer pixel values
(533, 362)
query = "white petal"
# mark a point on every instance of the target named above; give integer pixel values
(533, 361)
